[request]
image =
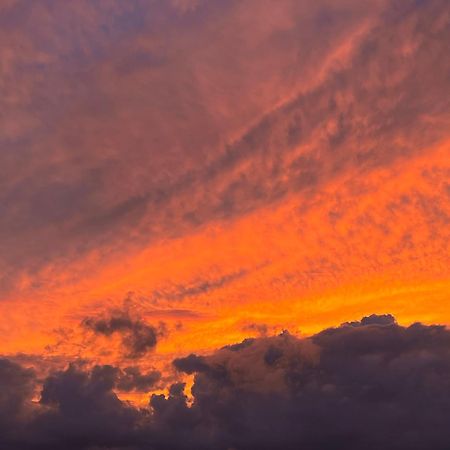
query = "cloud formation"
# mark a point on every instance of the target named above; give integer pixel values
(368, 384)
(286, 119)
(130, 149)
(137, 337)
(242, 167)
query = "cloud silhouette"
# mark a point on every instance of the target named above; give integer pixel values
(138, 337)
(368, 384)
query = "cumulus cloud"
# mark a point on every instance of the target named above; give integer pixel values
(17, 385)
(191, 364)
(367, 384)
(131, 379)
(81, 411)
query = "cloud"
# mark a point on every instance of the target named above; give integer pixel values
(374, 319)
(196, 288)
(368, 384)
(133, 132)
(17, 385)
(125, 125)
(111, 97)
(81, 411)
(137, 337)
(191, 364)
(131, 379)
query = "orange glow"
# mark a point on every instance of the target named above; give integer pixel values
(302, 265)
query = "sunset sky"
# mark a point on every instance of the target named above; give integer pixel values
(178, 176)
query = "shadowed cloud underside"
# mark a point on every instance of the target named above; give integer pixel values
(371, 384)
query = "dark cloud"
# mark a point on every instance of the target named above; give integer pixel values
(138, 337)
(236, 347)
(80, 410)
(374, 319)
(370, 384)
(17, 386)
(191, 364)
(131, 379)
(272, 355)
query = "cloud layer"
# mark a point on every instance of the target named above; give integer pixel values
(371, 384)
(100, 119)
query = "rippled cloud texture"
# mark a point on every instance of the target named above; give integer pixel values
(180, 175)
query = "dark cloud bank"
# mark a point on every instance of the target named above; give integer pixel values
(371, 384)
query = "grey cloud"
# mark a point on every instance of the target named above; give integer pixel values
(368, 384)
(191, 364)
(369, 387)
(374, 319)
(17, 386)
(132, 379)
(138, 337)
(82, 411)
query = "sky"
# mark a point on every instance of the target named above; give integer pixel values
(220, 214)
